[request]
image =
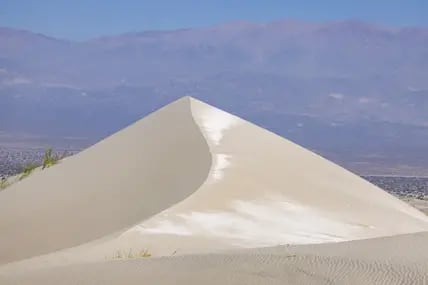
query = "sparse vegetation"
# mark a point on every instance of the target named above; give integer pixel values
(3, 183)
(49, 159)
(131, 255)
(27, 170)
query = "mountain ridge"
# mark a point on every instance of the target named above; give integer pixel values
(294, 78)
(284, 22)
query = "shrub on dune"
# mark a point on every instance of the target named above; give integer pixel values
(3, 183)
(49, 159)
(27, 170)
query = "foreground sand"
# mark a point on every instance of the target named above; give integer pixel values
(392, 260)
(208, 196)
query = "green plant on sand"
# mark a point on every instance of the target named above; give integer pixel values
(49, 159)
(3, 183)
(27, 170)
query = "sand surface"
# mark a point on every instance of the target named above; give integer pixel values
(106, 188)
(420, 204)
(392, 260)
(208, 196)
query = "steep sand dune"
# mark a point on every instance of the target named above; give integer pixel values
(191, 179)
(115, 184)
(263, 190)
(383, 261)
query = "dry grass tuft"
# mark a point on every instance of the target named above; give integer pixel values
(131, 255)
(27, 170)
(49, 159)
(3, 183)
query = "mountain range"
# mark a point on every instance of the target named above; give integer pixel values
(353, 91)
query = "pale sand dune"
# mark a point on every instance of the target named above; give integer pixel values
(115, 184)
(191, 179)
(384, 261)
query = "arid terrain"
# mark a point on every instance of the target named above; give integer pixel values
(192, 194)
(412, 189)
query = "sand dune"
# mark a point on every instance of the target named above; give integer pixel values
(106, 188)
(195, 181)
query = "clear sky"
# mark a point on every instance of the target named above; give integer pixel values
(83, 19)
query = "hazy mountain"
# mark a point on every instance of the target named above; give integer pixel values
(338, 87)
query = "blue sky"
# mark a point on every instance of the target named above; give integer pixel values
(83, 19)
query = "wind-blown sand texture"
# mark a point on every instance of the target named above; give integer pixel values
(384, 261)
(216, 193)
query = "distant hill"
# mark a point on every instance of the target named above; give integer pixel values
(344, 88)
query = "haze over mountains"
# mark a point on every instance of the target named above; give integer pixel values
(352, 90)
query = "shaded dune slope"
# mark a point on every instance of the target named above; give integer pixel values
(190, 179)
(115, 184)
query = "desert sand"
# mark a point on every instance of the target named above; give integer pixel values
(209, 197)
(392, 260)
